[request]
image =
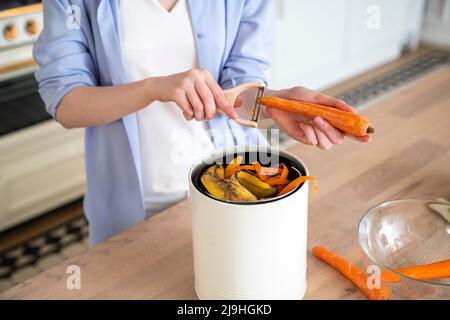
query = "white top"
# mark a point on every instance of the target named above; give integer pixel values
(158, 43)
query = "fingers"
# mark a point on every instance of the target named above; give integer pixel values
(196, 104)
(198, 95)
(219, 97)
(345, 107)
(325, 134)
(207, 99)
(310, 135)
(323, 141)
(288, 124)
(188, 116)
(326, 100)
(316, 133)
(238, 103)
(183, 102)
(205, 95)
(296, 130)
(334, 135)
(328, 135)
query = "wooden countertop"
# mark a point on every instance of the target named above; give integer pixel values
(409, 156)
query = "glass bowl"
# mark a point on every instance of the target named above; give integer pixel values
(404, 233)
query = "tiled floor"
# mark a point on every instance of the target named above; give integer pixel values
(38, 245)
(23, 257)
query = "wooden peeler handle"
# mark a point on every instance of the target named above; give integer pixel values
(233, 93)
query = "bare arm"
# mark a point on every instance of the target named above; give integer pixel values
(93, 106)
(195, 92)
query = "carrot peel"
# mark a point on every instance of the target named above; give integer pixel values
(281, 179)
(295, 183)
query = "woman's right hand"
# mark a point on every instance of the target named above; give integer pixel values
(195, 92)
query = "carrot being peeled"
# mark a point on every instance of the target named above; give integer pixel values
(437, 270)
(353, 273)
(348, 122)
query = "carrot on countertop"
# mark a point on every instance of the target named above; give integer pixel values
(348, 122)
(353, 273)
(437, 270)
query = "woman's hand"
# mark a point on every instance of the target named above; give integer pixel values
(195, 92)
(317, 131)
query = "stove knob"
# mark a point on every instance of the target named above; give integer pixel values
(33, 27)
(10, 32)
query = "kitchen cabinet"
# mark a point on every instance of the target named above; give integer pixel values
(41, 168)
(321, 42)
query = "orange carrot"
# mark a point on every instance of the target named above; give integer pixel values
(353, 273)
(295, 183)
(430, 271)
(348, 122)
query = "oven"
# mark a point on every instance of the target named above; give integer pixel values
(41, 163)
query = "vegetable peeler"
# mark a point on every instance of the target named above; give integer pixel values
(232, 94)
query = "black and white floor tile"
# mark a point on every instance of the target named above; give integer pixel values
(42, 252)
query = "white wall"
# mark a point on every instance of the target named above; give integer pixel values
(322, 42)
(437, 23)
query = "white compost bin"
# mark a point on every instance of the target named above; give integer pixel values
(249, 250)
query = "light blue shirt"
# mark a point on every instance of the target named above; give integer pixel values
(81, 46)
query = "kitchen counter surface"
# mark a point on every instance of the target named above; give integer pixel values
(409, 156)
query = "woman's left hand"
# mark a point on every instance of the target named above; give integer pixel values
(316, 131)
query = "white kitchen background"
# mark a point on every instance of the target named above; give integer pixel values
(322, 42)
(318, 43)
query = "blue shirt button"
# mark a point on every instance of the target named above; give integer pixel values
(200, 35)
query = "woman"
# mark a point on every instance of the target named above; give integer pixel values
(133, 72)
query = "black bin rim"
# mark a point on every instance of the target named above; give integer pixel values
(207, 160)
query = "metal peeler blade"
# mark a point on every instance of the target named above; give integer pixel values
(257, 104)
